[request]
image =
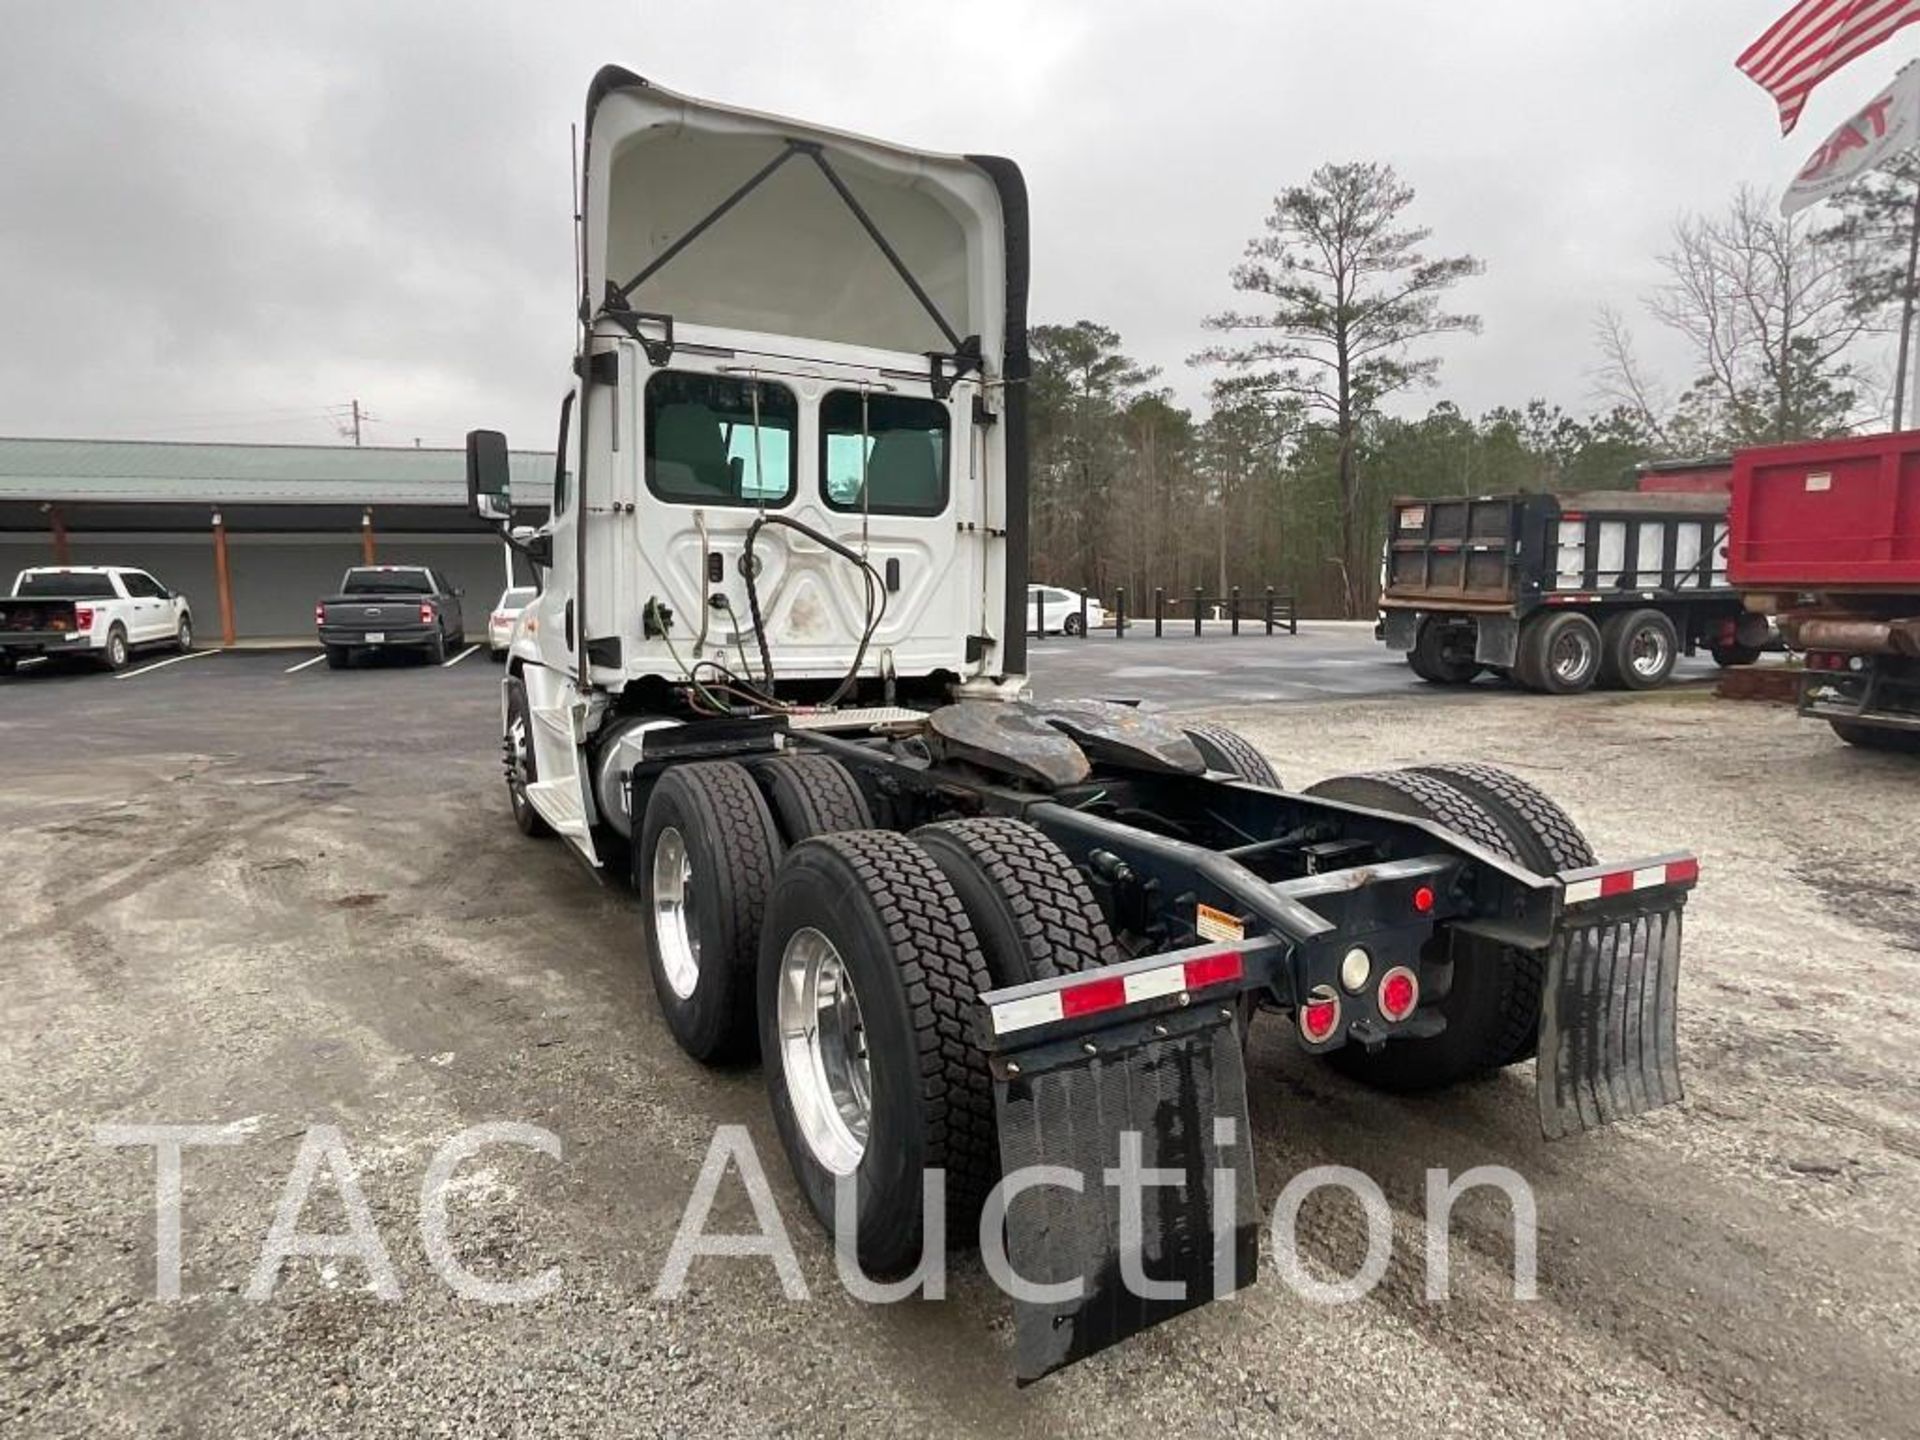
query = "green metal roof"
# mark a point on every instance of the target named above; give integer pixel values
(154, 470)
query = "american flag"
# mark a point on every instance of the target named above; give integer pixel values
(1813, 40)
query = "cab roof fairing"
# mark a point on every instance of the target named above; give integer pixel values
(791, 259)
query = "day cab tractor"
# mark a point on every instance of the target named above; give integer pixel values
(775, 676)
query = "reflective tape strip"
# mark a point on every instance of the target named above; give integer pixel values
(1623, 882)
(1097, 992)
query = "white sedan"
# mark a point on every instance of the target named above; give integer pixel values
(1058, 610)
(500, 620)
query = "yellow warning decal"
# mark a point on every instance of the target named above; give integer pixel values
(1218, 925)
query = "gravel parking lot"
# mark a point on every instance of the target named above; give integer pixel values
(243, 897)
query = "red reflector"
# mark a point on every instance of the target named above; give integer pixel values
(1618, 883)
(1317, 1019)
(1093, 996)
(1214, 969)
(1399, 993)
(1423, 899)
(1574, 515)
(1680, 872)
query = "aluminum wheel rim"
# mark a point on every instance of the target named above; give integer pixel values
(1572, 657)
(1648, 653)
(823, 1051)
(673, 937)
(517, 760)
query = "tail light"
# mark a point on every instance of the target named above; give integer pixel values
(499, 617)
(1320, 1016)
(426, 612)
(319, 614)
(83, 617)
(1399, 994)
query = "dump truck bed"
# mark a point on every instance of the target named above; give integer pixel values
(1835, 514)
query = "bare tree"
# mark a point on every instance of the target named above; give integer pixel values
(1770, 312)
(1349, 292)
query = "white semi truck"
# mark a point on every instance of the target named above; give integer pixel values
(775, 678)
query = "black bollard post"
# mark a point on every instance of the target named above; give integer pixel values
(1269, 609)
(1159, 610)
(1199, 603)
(1083, 614)
(1040, 614)
(1233, 607)
(1120, 613)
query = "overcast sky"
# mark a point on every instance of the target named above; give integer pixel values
(220, 221)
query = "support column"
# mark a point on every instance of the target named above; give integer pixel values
(222, 579)
(57, 522)
(366, 536)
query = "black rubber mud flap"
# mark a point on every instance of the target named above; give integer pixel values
(1179, 1084)
(1608, 1021)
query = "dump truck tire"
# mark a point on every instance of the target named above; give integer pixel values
(1229, 750)
(1727, 656)
(1030, 908)
(1638, 650)
(1559, 653)
(899, 937)
(1491, 998)
(1432, 661)
(812, 795)
(708, 852)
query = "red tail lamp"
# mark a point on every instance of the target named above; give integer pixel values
(1399, 994)
(1320, 1016)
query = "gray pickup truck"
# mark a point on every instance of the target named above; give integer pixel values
(390, 607)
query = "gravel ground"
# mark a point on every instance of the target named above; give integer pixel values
(227, 908)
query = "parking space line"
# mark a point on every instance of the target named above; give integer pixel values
(305, 663)
(162, 664)
(449, 664)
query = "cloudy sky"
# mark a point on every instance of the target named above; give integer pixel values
(225, 221)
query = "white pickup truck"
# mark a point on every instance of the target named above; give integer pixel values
(105, 612)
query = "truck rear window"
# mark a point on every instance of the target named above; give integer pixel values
(387, 582)
(702, 445)
(55, 586)
(895, 446)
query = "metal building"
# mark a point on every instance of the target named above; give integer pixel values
(254, 534)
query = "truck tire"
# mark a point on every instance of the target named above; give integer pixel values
(1489, 995)
(1229, 750)
(1559, 654)
(708, 851)
(1877, 737)
(183, 637)
(1731, 653)
(1031, 909)
(338, 657)
(1638, 650)
(517, 746)
(1543, 836)
(1436, 656)
(9, 662)
(897, 1088)
(113, 655)
(812, 795)
(437, 648)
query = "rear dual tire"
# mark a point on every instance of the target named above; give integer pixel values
(1439, 656)
(1488, 994)
(1230, 751)
(1559, 653)
(1876, 737)
(1638, 650)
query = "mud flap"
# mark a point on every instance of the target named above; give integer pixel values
(1168, 1096)
(1608, 1041)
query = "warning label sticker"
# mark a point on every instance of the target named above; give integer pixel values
(1217, 924)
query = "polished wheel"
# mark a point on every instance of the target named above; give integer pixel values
(1649, 653)
(1571, 659)
(679, 947)
(823, 1051)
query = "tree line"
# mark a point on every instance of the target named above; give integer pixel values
(1285, 480)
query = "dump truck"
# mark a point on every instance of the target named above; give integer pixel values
(775, 680)
(1826, 535)
(1562, 592)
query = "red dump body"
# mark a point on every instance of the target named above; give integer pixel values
(1828, 515)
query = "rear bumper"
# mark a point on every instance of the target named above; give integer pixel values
(1885, 694)
(43, 642)
(356, 635)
